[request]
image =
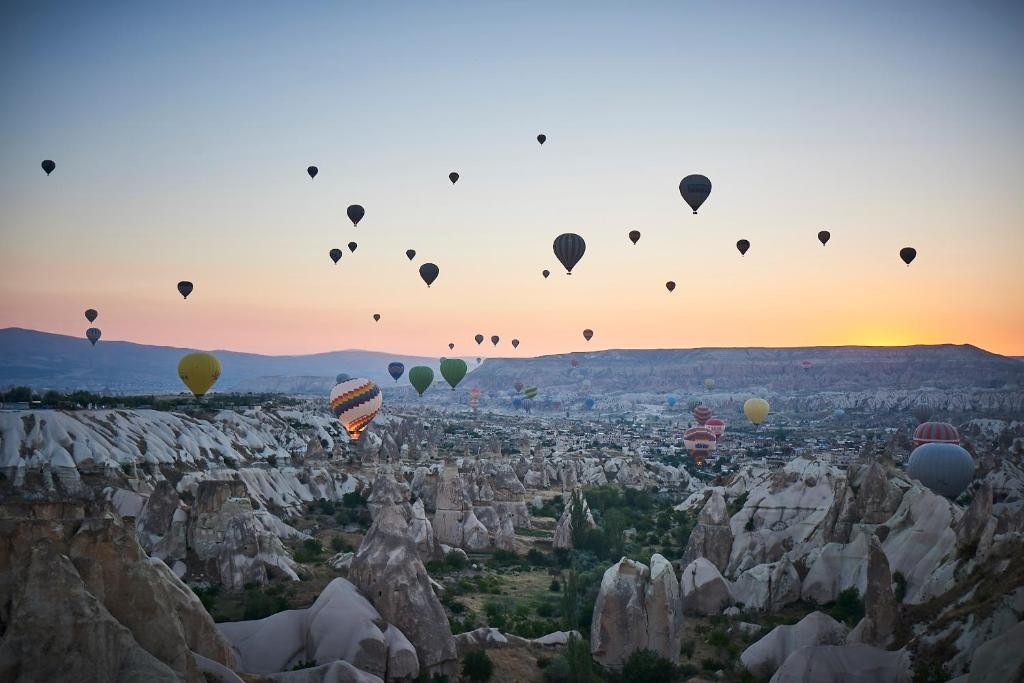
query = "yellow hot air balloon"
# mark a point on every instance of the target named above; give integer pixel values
(199, 372)
(756, 410)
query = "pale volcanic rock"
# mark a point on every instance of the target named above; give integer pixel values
(838, 566)
(705, 591)
(880, 609)
(919, 538)
(848, 663)
(712, 536)
(563, 531)
(765, 656)
(768, 587)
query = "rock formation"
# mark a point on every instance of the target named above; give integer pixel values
(844, 663)
(712, 536)
(765, 656)
(563, 531)
(879, 622)
(768, 587)
(705, 592)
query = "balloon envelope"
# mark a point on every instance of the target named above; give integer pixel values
(341, 377)
(312, 171)
(545, 273)
(355, 402)
(355, 213)
(495, 339)
(199, 371)
(48, 166)
(569, 248)
(634, 236)
(709, 384)
(395, 369)
(542, 138)
(701, 413)
(670, 286)
(756, 410)
(352, 246)
(93, 335)
(515, 343)
(945, 468)
(453, 176)
(921, 412)
(518, 386)
(185, 288)
(453, 370)
(410, 253)
(587, 334)
(936, 432)
(700, 442)
(716, 426)
(451, 345)
(429, 272)
(824, 236)
(588, 403)
(91, 314)
(479, 338)
(695, 189)
(908, 254)
(335, 255)
(376, 317)
(671, 401)
(421, 377)
(743, 246)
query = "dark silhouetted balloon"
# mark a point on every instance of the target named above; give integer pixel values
(454, 177)
(569, 249)
(429, 271)
(312, 171)
(93, 335)
(451, 346)
(91, 314)
(495, 339)
(515, 343)
(48, 166)
(479, 360)
(355, 213)
(945, 468)
(634, 236)
(542, 138)
(410, 253)
(376, 317)
(670, 286)
(342, 376)
(352, 246)
(545, 273)
(824, 236)
(479, 339)
(695, 189)
(743, 245)
(587, 334)
(395, 369)
(908, 254)
(185, 288)
(335, 255)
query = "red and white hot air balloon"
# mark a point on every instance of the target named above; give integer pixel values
(716, 426)
(936, 432)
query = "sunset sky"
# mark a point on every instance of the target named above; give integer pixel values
(182, 133)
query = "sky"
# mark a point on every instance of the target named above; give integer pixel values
(182, 133)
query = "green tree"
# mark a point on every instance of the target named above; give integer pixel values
(581, 666)
(570, 600)
(645, 666)
(477, 666)
(577, 520)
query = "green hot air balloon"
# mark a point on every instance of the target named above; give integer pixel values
(453, 370)
(421, 377)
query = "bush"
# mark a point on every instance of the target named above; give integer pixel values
(557, 670)
(848, 607)
(353, 499)
(645, 666)
(477, 666)
(304, 664)
(455, 559)
(555, 586)
(900, 583)
(259, 605)
(536, 557)
(339, 545)
(310, 551)
(688, 648)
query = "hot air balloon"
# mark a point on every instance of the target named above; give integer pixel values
(716, 426)
(355, 402)
(451, 346)
(670, 286)
(421, 377)
(479, 339)
(376, 317)
(453, 370)
(341, 377)
(700, 442)
(756, 410)
(474, 397)
(530, 393)
(335, 254)
(586, 385)
(671, 401)
(542, 138)
(634, 236)
(742, 245)
(695, 189)
(518, 386)
(93, 335)
(478, 360)
(545, 273)
(199, 372)
(48, 166)
(588, 403)
(395, 369)
(184, 288)
(410, 253)
(908, 254)
(569, 249)
(588, 333)
(454, 177)
(945, 468)
(495, 339)
(355, 214)
(429, 272)
(709, 384)
(575, 363)
(701, 413)
(824, 236)
(91, 314)
(806, 364)
(312, 171)
(921, 412)
(838, 412)
(515, 343)
(935, 432)
(352, 246)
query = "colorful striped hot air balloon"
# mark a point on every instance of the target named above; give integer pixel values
(355, 402)
(700, 442)
(716, 426)
(936, 432)
(701, 413)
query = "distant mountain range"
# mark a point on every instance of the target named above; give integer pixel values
(44, 360)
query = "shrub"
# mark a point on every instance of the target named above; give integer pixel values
(310, 551)
(340, 545)
(353, 499)
(259, 605)
(455, 559)
(645, 666)
(848, 607)
(688, 648)
(900, 583)
(555, 586)
(304, 664)
(557, 670)
(477, 666)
